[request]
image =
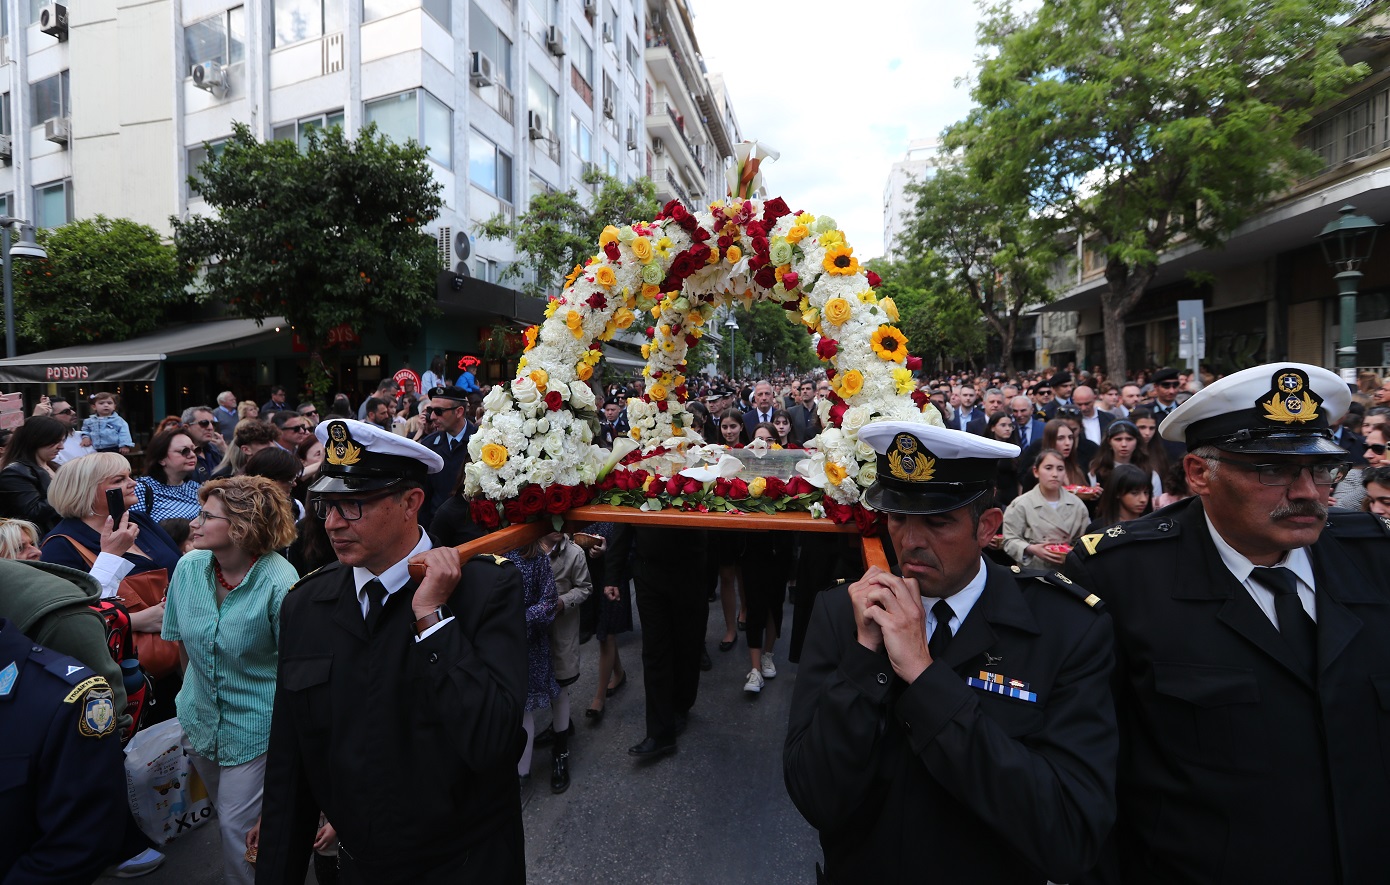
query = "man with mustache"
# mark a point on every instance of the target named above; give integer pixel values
(952, 719)
(1252, 628)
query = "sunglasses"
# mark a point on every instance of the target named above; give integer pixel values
(184, 452)
(314, 412)
(1378, 448)
(296, 428)
(64, 412)
(203, 423)
(434, 410)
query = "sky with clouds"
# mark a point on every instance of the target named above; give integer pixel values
(840, 89)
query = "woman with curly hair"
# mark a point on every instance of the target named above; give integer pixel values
(224, 606)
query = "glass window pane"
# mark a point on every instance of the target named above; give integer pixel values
(482, 161)
(65, 94)
(5, 203)
(283, 132)
(441, 11)
(438, 125)
(34, 7)
(236, 35)
(205, 41)
(396, 117)
(46, 99)
(334, 16)
(335, 118)
(6, 120)
(504, 176)
(297, 20)
(51, 205)
(375, 9)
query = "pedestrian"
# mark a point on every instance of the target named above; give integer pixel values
(1043, 520)
(412, 692)
(226, 415)
(168, 488)
(540, 602)
(252, 435)
(27, 470)
(1251, 625)
(201, 427)
(614, 618)
(569, 565)
(952, 720)
(107, 431)
(1128, 495)
(276, 403)
(448, 406)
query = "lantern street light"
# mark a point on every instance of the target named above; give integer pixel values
(732, 325)
(1346, 244)
(27, 247)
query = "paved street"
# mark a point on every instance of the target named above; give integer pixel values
(715, 812)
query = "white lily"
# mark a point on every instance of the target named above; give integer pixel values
(812, 470)
(727, 467)
(622, 447)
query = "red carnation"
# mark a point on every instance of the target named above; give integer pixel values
(531, 500)
(596, 301)
(484, 513)
(611, 250)
(738, 489)
(775, 488)
(557, 499)
(914, 363)
(554, 401)
(827, 348)
(874, 280)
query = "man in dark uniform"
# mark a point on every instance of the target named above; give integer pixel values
(952, 722)
(1252, 626)
(399, 702)
(62, 776)
(449, 408)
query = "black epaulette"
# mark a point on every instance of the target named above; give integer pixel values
(1354, 524)
(1061, 582)
(1124, 533)
(68, 669)
(494, 558)
(313, 574)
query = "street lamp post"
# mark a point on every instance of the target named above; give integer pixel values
(1346, 244)
(732, 325)
(25, 248)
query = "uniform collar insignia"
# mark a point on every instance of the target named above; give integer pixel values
(1290, 399)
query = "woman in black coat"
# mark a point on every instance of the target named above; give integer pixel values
(25, 471)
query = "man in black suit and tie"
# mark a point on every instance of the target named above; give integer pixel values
(763, 405)
(1251, 628)
(1093, 419)
(1164, 402)
(1027, 429)
(448, 406)
(805, 418)
(969, 417)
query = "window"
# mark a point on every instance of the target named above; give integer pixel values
(439, 10)
(49, 98)
(545, 11)
(490, 41)
(199, 154)
(581, 139)
(543, 100)
(34, 7)
(6, 120)
(6, 204)
(53, 204)
(489, 167)
(299, 130)
(610, 164)
(537, 186)
(610, 24)
(581, 54)
(634, 56)
(220, 39)
(297, 20)
(416, 114)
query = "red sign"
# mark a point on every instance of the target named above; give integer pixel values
(65, 373)
(405, 375)
(470, 362)
(341, 335)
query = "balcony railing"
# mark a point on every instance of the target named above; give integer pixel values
(679, 125)
(1361, 129)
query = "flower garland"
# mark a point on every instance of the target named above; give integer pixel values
(537, 431)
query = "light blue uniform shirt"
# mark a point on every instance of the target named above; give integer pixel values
(229, 687)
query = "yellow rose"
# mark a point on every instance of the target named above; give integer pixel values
(642, 248)
(664, 330)
(889, 308)
(604, 276)
(541, 377)
(583, 371)
(623, 318)
(650, 291)
(849, 383)
(574, 320)
(713, 257)
(609, 235)
(494, 455)
(757, 487)
(834, 472)
(677, 430)
(798, 233)
(635, 433)
(646, 351)
(838, 311)
(657, 393)
(733, 255)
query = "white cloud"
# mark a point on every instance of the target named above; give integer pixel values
(840, 89)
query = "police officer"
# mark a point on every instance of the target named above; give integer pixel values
(399, 701)
(1251, 630)
(952, 719)
(448, 407)
(62, 786)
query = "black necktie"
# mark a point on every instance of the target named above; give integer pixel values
(941, 636)
(1294, 624)
(376, 601)
(453, 443)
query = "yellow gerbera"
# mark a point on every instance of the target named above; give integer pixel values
(609, 235)
(890, 308)
(642, 248)
(551, 306)
(834, 472)
(668, 345)
(839, 261)
(592, 357)
(889, 343)
(798, 233)
(604, 276)
(847, 384)
(494, 455)
(838, 310)
(903, 382)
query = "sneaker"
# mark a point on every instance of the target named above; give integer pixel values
(145, 862)
(754, 683)
(769, 668)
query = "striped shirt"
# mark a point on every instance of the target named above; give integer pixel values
(229, 687)
(180, 501)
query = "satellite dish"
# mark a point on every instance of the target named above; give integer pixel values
(463, 245)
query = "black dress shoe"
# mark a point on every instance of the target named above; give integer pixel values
(726, 644)
(595, 715)
(651, 748)
(705, 663)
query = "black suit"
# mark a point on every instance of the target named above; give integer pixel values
(1354, 443)
(409, 748)
(1239, 768)
(973, 421)
(944, 782)
(751, 420)
(805, 423)
(441, 484)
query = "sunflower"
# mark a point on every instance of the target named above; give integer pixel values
(839, 261)
(494, 455)
(837, 310)
(889, 344)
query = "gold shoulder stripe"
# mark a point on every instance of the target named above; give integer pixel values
(81, 688)
(1092, 600)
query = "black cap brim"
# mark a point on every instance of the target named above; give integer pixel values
(347, 485)
(1284, 444)
(889, 500)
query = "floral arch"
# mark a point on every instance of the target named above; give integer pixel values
(534, 454)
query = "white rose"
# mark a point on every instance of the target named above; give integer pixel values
(525, 392)
(823, 410)
(543, 471)
(830, 436)
(867, 474)
(497, 399)
(854, 418)
(865, 451)
(581, 396)
(528, 427)
(543, 425)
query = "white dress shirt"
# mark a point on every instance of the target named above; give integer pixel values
(393, 579)
(961, 602)
(1295, 560)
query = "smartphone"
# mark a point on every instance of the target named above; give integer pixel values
(115, 505)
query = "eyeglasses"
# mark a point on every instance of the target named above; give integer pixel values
(347, 508)
(184, 452)
(206, 422)
(1287, 473)
(203, 516)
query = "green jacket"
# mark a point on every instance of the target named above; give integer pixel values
(51, 604)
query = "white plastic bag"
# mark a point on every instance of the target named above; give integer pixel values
(166, 795)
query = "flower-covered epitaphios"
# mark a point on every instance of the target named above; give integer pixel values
(671, 274)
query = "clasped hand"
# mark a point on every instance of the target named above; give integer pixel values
(888, 616)
(442, 571)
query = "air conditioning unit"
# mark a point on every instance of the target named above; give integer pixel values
(555, 40)
(631, 138)
(607, 33)
(6, 148)
(535, 125)
(658, 146)
(57, 129)
(590, 9)
(210, 76)
(480, 70)
(608, 108)
(53, 20)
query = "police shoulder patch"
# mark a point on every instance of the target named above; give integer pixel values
(313, 574)
(70, 670)
(1354, 524)
(1126, 533)
(96, 710)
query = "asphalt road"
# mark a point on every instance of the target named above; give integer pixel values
(715, 812)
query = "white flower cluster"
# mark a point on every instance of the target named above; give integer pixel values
(541, 446)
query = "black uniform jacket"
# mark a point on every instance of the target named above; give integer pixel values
(1234, 766)
(942, 782)
(409, 748)
(441, 484)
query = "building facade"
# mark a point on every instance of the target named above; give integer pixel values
(923, 156)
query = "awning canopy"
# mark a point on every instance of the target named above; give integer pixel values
(466, 296)
(137, 359)
(616, 356)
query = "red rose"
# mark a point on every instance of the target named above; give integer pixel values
(674, 485)
(830, 373)
(691, 341)
(866, 521)
(766, 276)
(790, 279)
(557, 499)
(798, 485)
(827, 348)
(606, 484)
(513, 512)
(874, 280)
(692, 486)
(914, 363)
(721, 487)
(920, 398)
(554, 401)
(676, 212)
(760, 245)
(611, 250)
(662, 405)
(596, 301)
(756, 229)
(639, 477)
(775, 488)
(837, 512)
(531, 500)
(653, 487)
(724, 243)
(738, 489)
(580, 495)
(485, 514)
(837, 413)
(774, 209)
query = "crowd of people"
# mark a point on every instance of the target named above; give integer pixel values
(194, 553)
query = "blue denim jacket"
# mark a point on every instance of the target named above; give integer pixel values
(107, 433)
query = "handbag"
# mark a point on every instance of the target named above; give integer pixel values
(159, 657)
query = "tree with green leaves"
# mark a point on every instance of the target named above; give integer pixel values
(980, 241)
(1141, 123)
(558, 231)
(105, 279)
(324, 236)
(941, 321)
(764, 327)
